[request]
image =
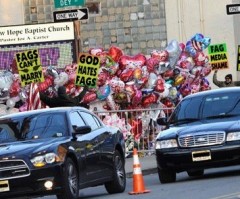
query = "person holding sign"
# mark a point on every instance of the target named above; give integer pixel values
(63, 99)
(227, 83)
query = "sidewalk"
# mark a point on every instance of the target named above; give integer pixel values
(148, 165)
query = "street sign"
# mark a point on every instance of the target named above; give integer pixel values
(70, 15)
(66, 3)
(233, 9)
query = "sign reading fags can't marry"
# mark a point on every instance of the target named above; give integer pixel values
(29, 67)
(87, 72)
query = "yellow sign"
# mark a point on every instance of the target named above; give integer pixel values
(29, 67)
(238, 59)
(87, 72)
(218, 56)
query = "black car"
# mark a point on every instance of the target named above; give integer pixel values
(203, 132)
(59, 151)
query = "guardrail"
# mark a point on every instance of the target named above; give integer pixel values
(139, 127)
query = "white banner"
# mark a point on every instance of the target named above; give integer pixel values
(36, 33)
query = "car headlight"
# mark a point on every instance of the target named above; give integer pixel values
(163, 144)
(42, 160)
(233, 136)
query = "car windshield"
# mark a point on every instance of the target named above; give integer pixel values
(32, 127)
(214, 106)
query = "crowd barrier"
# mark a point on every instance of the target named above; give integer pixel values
(139, 127)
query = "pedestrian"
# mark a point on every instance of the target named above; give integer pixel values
(227, 83)
(63, 99)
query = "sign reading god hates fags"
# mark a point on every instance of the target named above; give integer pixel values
(87, 72)
(29, 67)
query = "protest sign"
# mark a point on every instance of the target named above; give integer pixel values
(29, 67)
(87, 71)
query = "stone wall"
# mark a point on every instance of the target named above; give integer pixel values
(136, 26)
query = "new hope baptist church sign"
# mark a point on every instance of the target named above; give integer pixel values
(36, 33)
(53, 40)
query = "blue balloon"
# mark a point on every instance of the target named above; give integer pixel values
(103, 92)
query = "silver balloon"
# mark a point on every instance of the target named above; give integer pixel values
(174, 52)
(152, 80)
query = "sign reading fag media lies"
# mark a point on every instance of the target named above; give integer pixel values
(218, 56)
(87, 72)
(29, 67)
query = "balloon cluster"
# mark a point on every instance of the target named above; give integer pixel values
(164, 77)
(124, 82)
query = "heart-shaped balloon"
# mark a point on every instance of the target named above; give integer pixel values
(115, 53)
(159, 85)
(71, 70)
(200, 59)
(136, 129)
(132, 62)
(149, 99)
(206, 70)
(130, 90)
(89, 97)
(48, 81)
(161, 55)
(116, 85)
(168, 74)
(152, 63)
(14, 89)
(127, 75)
(137, 97)
(185, 89)
(102, 78)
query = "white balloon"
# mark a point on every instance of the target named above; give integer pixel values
(6, 79)
(10, 103)
(152, 80)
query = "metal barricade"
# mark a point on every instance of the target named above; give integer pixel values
(139, 127)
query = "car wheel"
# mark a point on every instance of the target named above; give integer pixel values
(166, 175)
(118, 184)
(193, 173)
(70, 181)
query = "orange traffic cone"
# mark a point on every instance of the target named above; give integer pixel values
(138, 183)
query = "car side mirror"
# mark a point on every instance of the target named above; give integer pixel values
(162, 121)
(82, 129)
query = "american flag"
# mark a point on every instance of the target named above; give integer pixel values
(34, 101)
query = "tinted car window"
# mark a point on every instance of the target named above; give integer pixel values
(76, 119)
(33, 127)
(187, 109)
(47, 125)
(211, 105)
(91, 120)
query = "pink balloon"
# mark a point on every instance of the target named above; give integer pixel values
(137, 97)
(131, 62)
